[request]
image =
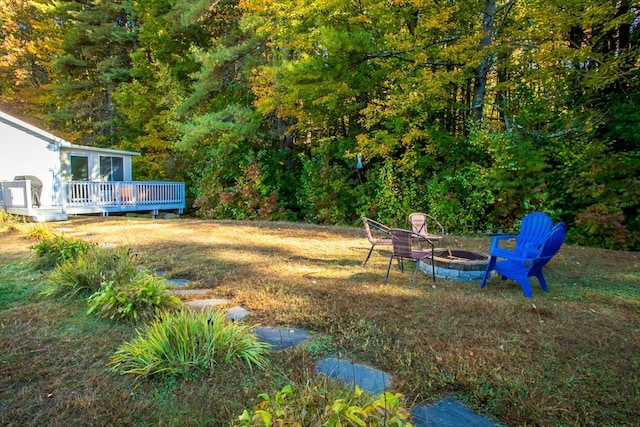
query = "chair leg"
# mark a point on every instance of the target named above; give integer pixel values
(543, 282)
(386, 277)
(433, 266)
(368, 255)
(526, 286)
(490, 266)
(415, 274)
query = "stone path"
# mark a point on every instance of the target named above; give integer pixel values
(446, 413)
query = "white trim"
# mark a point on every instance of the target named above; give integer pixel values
(57, 140)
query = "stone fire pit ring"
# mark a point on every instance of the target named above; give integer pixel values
(456, 264)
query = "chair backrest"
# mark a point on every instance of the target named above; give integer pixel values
(553, 242)
(418, 221)
(367, 228)
(419, 225)
(533, 230)
(401, 240)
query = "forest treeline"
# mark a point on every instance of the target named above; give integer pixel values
(476, 112)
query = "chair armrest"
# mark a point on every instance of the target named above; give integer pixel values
(378, 226)
(437, 223)
(495, 241)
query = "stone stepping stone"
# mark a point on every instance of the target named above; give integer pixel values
(206, 303)
(236, 314)
(371, 380)
(447, 413)
(177, 282)
(281, 338)
(188, 292)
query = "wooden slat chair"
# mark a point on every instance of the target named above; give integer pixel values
(377, 234)
(403, 242)
(529, 262)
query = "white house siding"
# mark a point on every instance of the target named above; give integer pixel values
(26, 152)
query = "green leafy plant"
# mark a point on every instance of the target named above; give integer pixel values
(57, 250)
(137, 299)
(85, 275)
(187, 342)
(323, 405)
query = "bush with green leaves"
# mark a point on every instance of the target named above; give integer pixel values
(323, 405)
(137, 299)
(186, 342)
(56, 249)
(85, 275)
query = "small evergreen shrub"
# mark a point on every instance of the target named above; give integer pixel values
(85, 275)
(322, 406)
(137, 299)
(56, 250)
(187, 342)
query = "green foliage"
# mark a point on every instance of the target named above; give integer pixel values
(602, 226)
(90, 270)
(56, 250)
(186, 343)
(249, 198)
(327, 192)
(395, 195)
(460, 201)
(323, 405)
(137, 299)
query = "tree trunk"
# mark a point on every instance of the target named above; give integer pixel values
(480, 78)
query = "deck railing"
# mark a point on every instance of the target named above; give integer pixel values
(16, 194)
(124, 194)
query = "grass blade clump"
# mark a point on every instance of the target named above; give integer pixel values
(85, 275)
(137, 299)
(55, 249)
(187, 342)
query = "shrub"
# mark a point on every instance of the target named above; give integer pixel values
(39, 232)
(136, 299)
(322, 406)
(57, 250)
(7, 218)
(92, 268)
(187, 342)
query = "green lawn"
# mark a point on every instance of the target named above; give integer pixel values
(568, 357)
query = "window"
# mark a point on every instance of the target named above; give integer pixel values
(111, 168)
(79, 168)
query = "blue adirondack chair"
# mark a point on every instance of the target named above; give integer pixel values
(528, 261)
(533, 230)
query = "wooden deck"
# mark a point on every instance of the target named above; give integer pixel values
(90, 197)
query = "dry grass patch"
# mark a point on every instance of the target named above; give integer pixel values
(568, 357)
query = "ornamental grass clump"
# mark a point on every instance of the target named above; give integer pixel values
(55, 249)
(139, 298)
(85, 275)
(186, 343)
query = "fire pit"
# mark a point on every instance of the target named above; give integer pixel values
(457, 264)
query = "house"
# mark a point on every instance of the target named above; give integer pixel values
(47, 178)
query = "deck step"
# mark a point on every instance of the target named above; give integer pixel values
(49, 215)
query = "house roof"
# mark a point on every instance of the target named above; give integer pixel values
(26, 127)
